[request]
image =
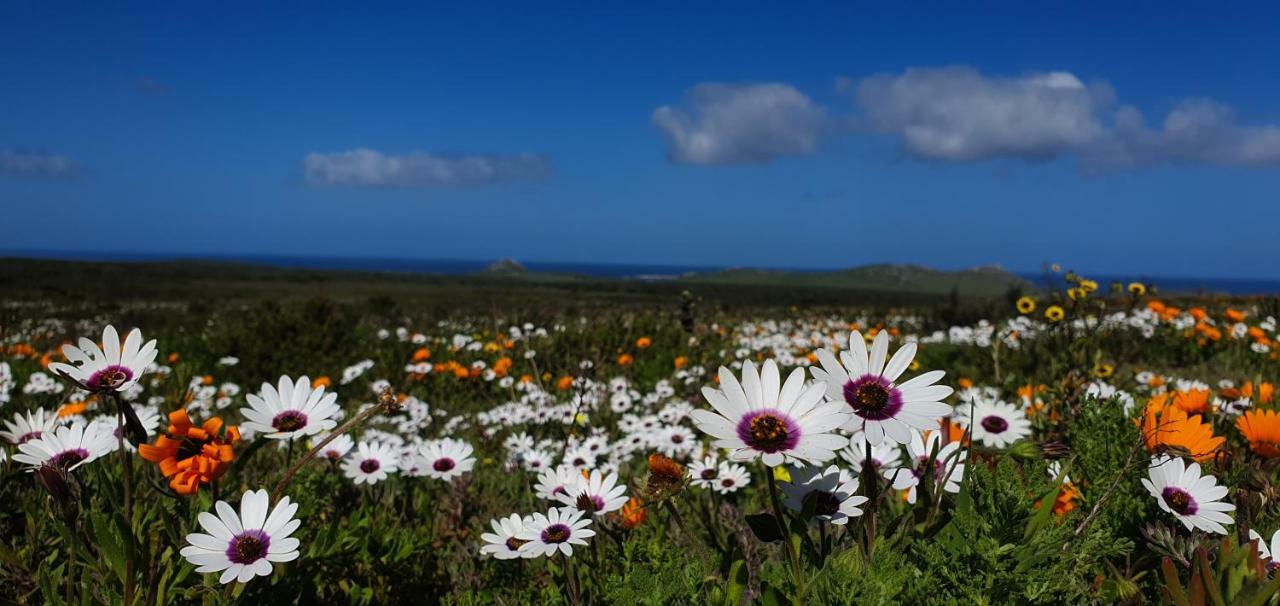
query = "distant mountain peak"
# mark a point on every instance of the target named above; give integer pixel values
(506, 266)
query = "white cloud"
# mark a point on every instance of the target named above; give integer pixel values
(1196, 131)
(369, 168)
(34, 164)
(957, 114)
(740, 124)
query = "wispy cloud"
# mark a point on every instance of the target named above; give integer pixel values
(740, 124)
(22, 163)
(957, 114)
(370, 168)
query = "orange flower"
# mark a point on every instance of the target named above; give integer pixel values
(206, 380)
(502, 366)
(625, 360)
(173, 357)
(1262, 429)
(643, 342)
(1068, 494)
(461, 371)
(681, 362)
(564, 383)
(422, 355)
(1265, 391)
(526, 378)
(1198, 313)
(322, 381)
(1166, 426)
(964, 382)
(632, 514)
(1193, 402)
(1235, 315)
(71, 409)
(666, 477)
(192, 456)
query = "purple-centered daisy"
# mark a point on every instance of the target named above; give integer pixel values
(866, 385)
(762, 417)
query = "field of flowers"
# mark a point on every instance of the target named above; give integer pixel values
(1092, 445)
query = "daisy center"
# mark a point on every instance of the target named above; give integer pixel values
(556, 533)
(727, 483)
(589, 503)
(1179, 500)
(289, 420)
(768, 431)
(248, 547)
(708, 474)
(109, 378)
(823, 503)
(872, 397)
(370, 465)
(514, 544)
(995, 424)
(443, 465)
(67, 458)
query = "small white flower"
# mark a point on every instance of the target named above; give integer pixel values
(244, 546)
(556, 531)
(1193, 498)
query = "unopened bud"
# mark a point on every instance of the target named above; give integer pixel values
(1055, 450)
(58, 483)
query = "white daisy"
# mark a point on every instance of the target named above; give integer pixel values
(370, 463)
(502, 543)
(831, 492)
(703, 473)
(556, 531)
(337, 448)
(29, 426)
(114, 367)
(1191, 497)
(866, 385)
(446, 459)
(732, 477)
(554, 482)
(244, 546)
(67, 447)
(1267, 552)
(777, 423)
(291, 411)
(886, 457)
(596, 493)
(998, 425)
(948, 465)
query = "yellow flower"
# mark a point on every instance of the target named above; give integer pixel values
(781, 474)
(1102, 370)
(1026, 305)
(1137, 289)
(1054, 313)
(1077, 293)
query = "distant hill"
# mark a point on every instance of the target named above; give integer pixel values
(978, 281)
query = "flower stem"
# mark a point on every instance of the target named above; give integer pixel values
(127, 481)
(797, 569)
(344, 428)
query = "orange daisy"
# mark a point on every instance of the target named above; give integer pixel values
(1166, 426)
(192, 456)
(1262, 429)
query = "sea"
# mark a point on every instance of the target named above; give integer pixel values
(642, 271)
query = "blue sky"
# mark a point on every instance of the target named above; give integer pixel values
(1139, 140)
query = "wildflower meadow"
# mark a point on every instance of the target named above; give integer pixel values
(1086, 444)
